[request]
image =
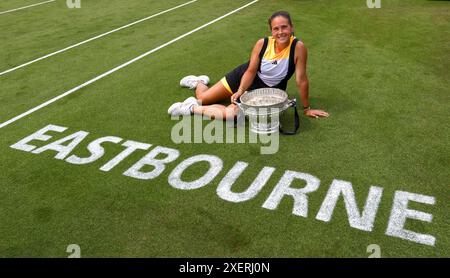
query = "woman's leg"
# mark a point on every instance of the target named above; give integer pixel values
(212, 95)
(217, 111)
(209, 98)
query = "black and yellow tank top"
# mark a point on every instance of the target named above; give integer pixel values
(275, 69)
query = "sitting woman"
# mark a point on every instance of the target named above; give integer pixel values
(272, 63)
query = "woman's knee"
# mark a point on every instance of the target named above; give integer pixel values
(212, 95)
(204, 97)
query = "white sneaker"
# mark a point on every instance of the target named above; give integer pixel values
(174, 107)
(183, 108)
(204, 79)
(190, 101)
(191, 81)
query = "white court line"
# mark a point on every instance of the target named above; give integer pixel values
(119, 67)
(21, 8)
(94, 38)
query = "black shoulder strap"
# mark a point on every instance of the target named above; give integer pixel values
(261, 53)
(291, 69)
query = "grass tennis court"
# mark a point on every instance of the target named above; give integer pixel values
(382, 74)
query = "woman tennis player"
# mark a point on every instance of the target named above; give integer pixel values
(272, 63)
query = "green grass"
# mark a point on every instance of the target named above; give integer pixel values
(381, 74)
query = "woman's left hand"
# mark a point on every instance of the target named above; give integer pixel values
(316, 113)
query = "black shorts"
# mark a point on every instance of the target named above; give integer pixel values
(232, 80)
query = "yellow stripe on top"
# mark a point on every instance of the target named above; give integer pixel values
(275, 66)
(270, 51)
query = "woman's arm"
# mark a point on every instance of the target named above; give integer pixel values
(250, 73)
(301, 56)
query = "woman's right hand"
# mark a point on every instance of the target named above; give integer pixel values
(236, 96)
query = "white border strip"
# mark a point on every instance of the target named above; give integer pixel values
(94, 38)
(37, 4)
(119, 67)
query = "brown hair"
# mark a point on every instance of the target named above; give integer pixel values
(282, 14)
